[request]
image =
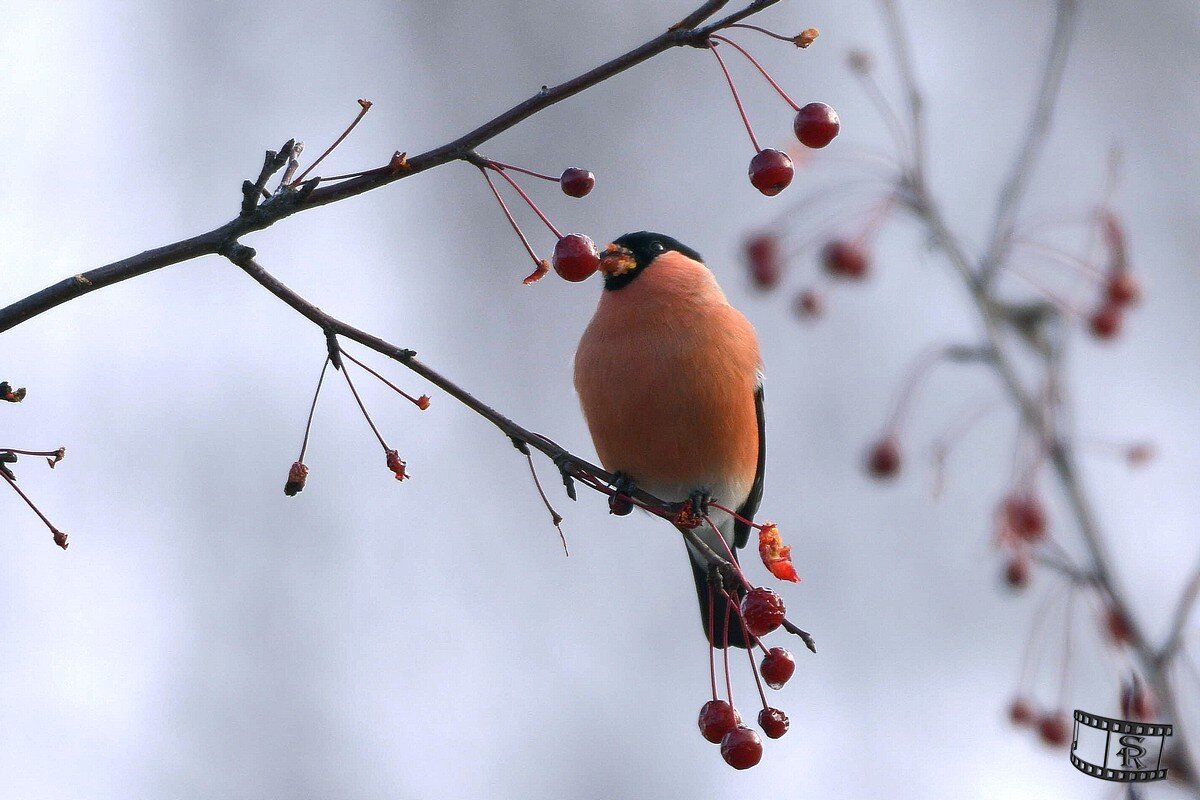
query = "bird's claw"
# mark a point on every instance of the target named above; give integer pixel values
(620, 502)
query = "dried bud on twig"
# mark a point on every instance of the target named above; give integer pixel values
(9, 394)
(297, 475)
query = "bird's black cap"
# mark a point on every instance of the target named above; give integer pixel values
(644, 247)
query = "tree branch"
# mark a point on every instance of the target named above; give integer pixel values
(291, 200)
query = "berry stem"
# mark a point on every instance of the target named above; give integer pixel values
(421, 402)
(728, 552)
(916, 375)
(58, 535)
(712, 663)
(363, 408)
(555, 517)
(725, 656)
(312, 409)
(750, 653)
(761, 69)
(736, 99)
(501, 166)
(511, 221)
(46, 453)
(528, 200)
(772, 34)
(890, 119)
(364, 107)
(1026, 675)
(1068, 628)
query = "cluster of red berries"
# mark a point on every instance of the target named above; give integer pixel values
(1053, 727)
(575, 255)
(298, 472)
(1021, 524)
(760, 612)
(815, 124)
(1121, 288)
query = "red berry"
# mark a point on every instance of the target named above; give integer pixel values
(1053, 729)
(845, 259)
(1016, 573)
(771, 171)
(1137, 702)
(718, 718)
(883, 459)
(1021, 712)
(773, 722)
(809, 303)
(1117, 626)
(816, 124)
(763, 610)
(576, 182)
(741, 748)
(576, 257)
(762, 256)
(1025, 516)
(777, 667)
(1105, 321)
(1123, 289)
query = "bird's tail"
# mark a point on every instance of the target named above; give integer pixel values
(724, 616)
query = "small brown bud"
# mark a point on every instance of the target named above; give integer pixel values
(297, 475)
(806, 37)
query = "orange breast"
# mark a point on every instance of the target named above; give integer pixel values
(666, 375)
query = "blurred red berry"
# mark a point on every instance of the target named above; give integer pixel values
(773, 722)
(1016, 572)
(1054, 730)
(763, 610)
(741, 748)
(845, 259)
(576, 182)
(1021, 713)
(1105, 322)
(1025, 516)
(883, 459)
(1117, 626)
(809, 303)
(762, 256)
(771, 171)
(777, 667)
(1123, 289)
(718, 718)
(1139, 454)
(576, 257)
(816, 124)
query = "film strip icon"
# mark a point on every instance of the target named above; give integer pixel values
(1117, 749)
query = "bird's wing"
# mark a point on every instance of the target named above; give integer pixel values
(741, 530)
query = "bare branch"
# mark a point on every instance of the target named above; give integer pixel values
(289, 201)
(1035, 137)
(1179, 620)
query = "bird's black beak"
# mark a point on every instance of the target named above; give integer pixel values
(617, 260)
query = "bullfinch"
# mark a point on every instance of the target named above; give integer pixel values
(670, 381)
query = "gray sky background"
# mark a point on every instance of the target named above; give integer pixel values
(207, 637)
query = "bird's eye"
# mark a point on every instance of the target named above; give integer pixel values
(658, 247)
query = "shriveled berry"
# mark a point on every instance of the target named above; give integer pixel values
(763, 610)
(1025, 516)
(883, 459)
(1016, 572)
(1054, 730)
(741, 748)
(1123, 289)
(816, 124)
(576, 257)
(718, 718)
(773, 722)
(1021, 713)
(809, 303)
(842, 258)
(576, 182)
(771, 171)
(1105, 322)
(762, 257)
(777, 667)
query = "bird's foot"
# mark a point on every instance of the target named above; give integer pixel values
(692, 511)
(621, 502)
